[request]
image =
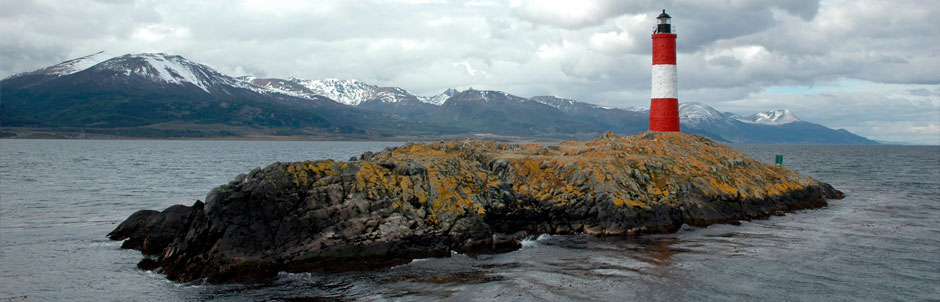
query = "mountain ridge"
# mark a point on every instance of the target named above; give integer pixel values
(141, 90)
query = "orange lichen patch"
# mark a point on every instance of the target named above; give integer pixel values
(632, 171)
(454, 191)
(620, 202)
(308, 172)
(448, 184)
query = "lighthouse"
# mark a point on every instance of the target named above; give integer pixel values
(664, 98)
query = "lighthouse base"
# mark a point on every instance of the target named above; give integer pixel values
(664, 115)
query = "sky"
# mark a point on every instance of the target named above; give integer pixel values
(871, 67)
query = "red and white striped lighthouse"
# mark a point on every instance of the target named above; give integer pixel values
(664, 99)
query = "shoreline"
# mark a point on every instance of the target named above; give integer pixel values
(40, 134)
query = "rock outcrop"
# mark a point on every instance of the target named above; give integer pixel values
(426, 200)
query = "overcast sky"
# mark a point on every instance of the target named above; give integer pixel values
(871, 67)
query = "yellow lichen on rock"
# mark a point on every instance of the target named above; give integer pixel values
(636, 171)
(308, 172)
(664, 161)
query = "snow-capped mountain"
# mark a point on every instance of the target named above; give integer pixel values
(73, 65)
(487, 96)
(354, 92)
(771, 117)
(163, 68)
(440, 98)
(697, 113)
(290, 87)
(564, 104)
(141, 70)
(160, 95)
(775, 126)
(350, 92)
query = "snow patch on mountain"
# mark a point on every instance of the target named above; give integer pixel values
(392, 95)
(176, 70)
(771, 117)
(495, 95)
(556, 102)
(171, 69)
(290, 87)
(440, 98)
(74, 65)
(349, 92)
(695, 113)
(567, 105)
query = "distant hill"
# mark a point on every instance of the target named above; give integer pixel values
(160, 95)
(774, 127)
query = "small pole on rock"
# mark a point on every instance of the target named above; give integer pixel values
(779, 161)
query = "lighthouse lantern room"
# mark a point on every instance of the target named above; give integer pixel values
(664, 96)
(664, 24)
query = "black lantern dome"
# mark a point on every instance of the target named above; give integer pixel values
(664, 25)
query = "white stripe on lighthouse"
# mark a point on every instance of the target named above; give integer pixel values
(664, 82)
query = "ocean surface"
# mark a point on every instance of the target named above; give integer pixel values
(59, 198)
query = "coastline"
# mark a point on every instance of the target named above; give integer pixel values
(78, 134)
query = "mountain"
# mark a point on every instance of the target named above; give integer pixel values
(473, 110)
(440, 98)
(604, 117)
(74, 65)
(392, 100)
(772, 117)
(505, 114)
(161, 95)
(158, 91)
(775, 127)
(279, 86)
(349, 92)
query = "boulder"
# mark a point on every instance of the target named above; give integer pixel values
(150, 231)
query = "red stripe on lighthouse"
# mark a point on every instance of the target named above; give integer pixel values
(664, 115)
(664, 49)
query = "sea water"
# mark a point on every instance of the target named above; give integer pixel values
(59, 198)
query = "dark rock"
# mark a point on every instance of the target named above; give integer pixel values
(426, 200)
(132, 224)
(148, 264)
(150, 231)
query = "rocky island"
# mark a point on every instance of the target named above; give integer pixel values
(428, 199)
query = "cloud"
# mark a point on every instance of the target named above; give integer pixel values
(156, 33)
(915, 132)
(567, 14)
(731, 53)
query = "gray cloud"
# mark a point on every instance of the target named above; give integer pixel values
(730, 52)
